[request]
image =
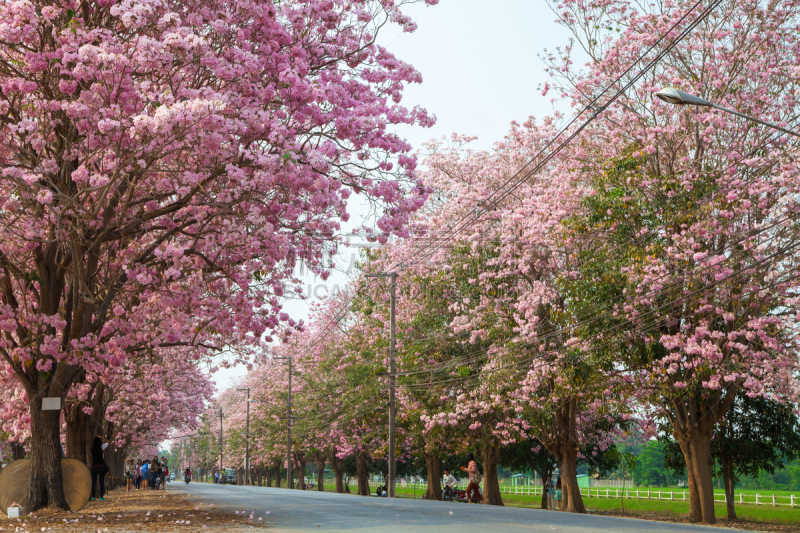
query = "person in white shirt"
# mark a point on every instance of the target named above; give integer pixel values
(450, 483)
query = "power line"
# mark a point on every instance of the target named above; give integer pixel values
(592, 106)
(489, 203)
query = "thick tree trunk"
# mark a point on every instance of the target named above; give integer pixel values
(544, 475)
(434, 465)
(320, 459)
(301, 472)
(338, 471)
(76, 432)
(728, 480)
(278, 476)
(491, 485)
(696, 448)
(363, 473)
(94, 422)
(115, 459)
(562, 442)
(571, 499)
(45, 485)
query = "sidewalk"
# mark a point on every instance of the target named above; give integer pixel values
(135, 512)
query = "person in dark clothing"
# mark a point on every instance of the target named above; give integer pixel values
(99, 467)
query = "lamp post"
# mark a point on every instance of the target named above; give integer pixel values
(676, 97)
(289, 481)
(392, 410)
(247, 440)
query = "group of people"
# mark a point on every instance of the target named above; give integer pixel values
(553, 493)
(146, 474)
(143, 474)
(474, 486)
(449, 483)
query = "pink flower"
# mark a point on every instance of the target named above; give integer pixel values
(44, 196)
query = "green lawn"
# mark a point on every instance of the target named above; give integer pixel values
(761, 513)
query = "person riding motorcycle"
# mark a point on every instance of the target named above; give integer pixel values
(450, 483)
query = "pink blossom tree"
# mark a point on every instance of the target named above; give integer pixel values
(694, 211)
(174, 151)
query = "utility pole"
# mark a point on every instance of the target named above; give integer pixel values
(392, 407)
(289, 480)
(220, 444)
(247, 440)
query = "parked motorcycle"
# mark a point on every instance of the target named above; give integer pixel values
(458, 495)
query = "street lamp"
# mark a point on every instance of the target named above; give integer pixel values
(247, 440)
(676, 97)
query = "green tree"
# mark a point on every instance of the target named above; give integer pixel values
(756, 436)
(650, 467)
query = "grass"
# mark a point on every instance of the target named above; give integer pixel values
(761, 513)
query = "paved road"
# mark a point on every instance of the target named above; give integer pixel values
(297, 511)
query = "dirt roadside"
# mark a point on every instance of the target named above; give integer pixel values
(143, 511)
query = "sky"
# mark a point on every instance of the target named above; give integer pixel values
(481, 70)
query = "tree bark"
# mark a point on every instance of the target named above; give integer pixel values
(696, 449)
(320, 459)
(571, 499)
(338, 471)
(278, 476)
(46, 484)
(116, 467)
(491, 485)
(728, 480)
(434, 465)
(300, 467)
(362, 471)
(693, 429)
(544, 475)
(562, 442)
(76, 432)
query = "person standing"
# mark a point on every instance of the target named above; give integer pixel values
(155, 471)
(99, 467)
(449, 485)
(130, 472)
(474, 487)
(551, 493)
(139, 474)
(164, 472)
(145, 474)
(216, 478)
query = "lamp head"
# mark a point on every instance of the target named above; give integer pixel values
(676, 97)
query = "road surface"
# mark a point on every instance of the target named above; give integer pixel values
(302, 511)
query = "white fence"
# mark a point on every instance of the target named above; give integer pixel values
(642, 494)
